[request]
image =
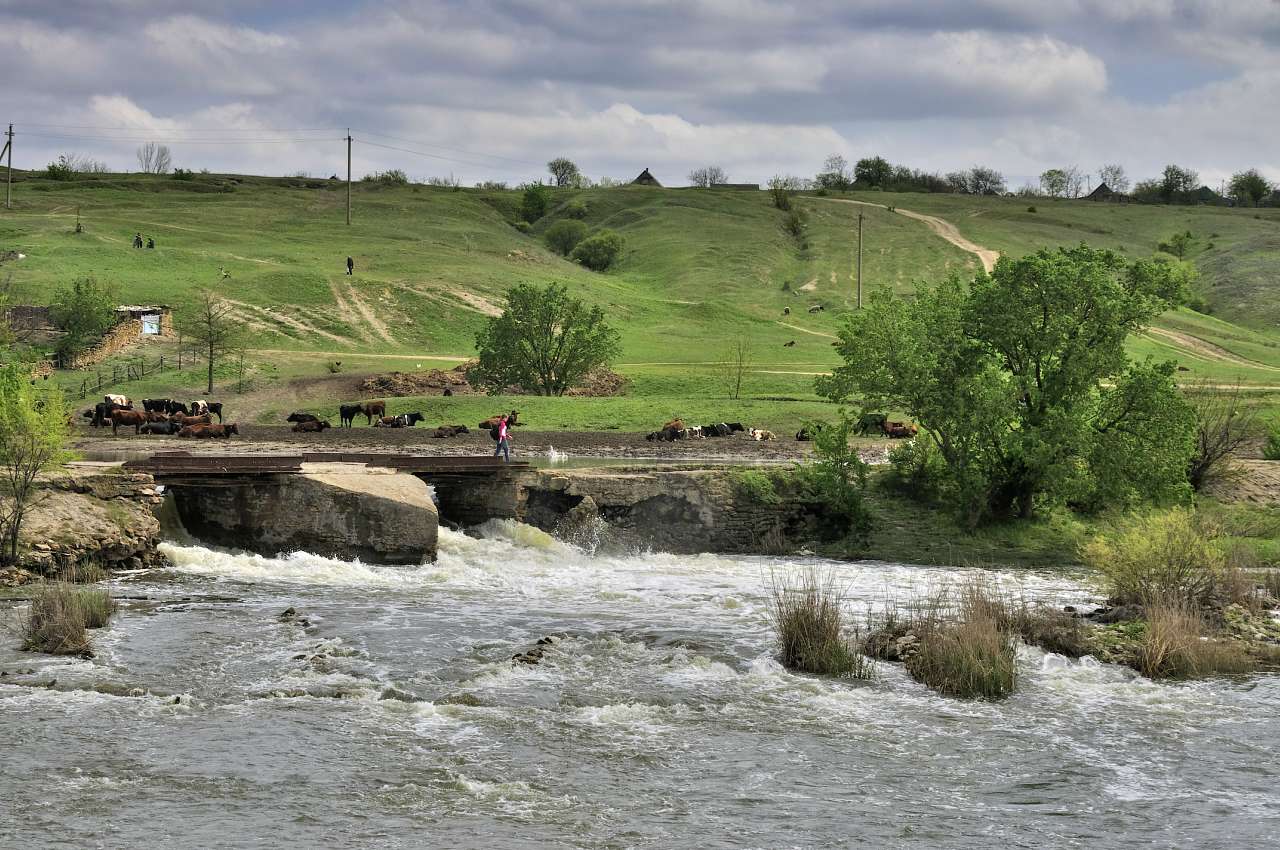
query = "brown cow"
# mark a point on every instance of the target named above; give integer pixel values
(311, 426)
(674, 425)
(513, 419)
(156, 416)
(370, 409)
(389, 422)
(184, 420)
(136, 418)
(900, 430)
(209, 431)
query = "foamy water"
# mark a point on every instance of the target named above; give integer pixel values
(658, 717)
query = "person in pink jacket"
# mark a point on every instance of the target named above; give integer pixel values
(504, 440)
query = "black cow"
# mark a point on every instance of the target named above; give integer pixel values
(410, 419)
(161, 428)
(347, 414)
(156, 405)
(301, 416)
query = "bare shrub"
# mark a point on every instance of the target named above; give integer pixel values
(1224, 422)
(804, 608)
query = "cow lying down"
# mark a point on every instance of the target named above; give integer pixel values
(208, 431)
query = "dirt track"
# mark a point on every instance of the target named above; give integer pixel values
(279, 439)
(941, 227)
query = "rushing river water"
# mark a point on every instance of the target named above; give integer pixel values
(394, 718)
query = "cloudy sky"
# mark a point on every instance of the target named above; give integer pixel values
(494, 88)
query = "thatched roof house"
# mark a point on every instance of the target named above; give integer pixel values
(1105, 193)
(646, 179)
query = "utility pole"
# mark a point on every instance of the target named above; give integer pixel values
(8, 186)
(348, 176)
(859, 261)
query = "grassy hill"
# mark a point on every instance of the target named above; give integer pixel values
(699, 268)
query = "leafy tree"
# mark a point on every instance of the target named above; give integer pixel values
(1022, 382)
(1115, 178)
(873, 171)
(599, 250)
(544, 342)
(84, 310)
(1053, 182)
(985, 181)
(33, 434)
(563, 236)
(835, 174)
(780, 189)
(1249, 187)
(1176, 182)
(534, 202)
(708, 176)
(210, 323)
(563, 172)
(1075, 181)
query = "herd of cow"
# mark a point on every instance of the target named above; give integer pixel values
(676, 430)
(375, 415)
(161, 416)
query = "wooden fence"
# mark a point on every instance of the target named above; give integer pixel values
(122, 373)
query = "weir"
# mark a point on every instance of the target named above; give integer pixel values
(375, 507)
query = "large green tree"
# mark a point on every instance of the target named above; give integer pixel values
(1249, 187)
(544, 342)
(1021, 380)
(83, 310)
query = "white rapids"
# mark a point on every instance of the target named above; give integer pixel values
(388, 713)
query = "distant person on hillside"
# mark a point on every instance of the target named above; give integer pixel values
(504, 441)
(351, 265)
(137, 240)
(151, 243)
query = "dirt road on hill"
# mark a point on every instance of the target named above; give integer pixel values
(941, 227)
(1206, 349)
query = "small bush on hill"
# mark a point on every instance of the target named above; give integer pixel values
(534, 202)
(1160, 557)
(61, 169)
(563, 236)
(1271, 449)
(795, 223)
(598, 251)
(183, 174)
(804, 608)
(59, 616)
(523, 226)
(575, 209)
(1031, 208)
(916, 469)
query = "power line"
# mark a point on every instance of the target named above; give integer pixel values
(187, 129)
(455, 150)
(425, 154)
(237, 141)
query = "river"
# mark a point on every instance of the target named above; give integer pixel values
(394, 719)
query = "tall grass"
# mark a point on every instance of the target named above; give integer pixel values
(966, 648)
(1175, 646)
(805, 610)
(60, 615)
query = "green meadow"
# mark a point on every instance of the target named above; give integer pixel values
(700, 268)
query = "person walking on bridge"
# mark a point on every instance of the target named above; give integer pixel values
(504, 441)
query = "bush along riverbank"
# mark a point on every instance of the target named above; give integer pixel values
(1183, 602)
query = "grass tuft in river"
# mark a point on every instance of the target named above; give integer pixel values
(60, 616)
(966, 646)
(805, 609)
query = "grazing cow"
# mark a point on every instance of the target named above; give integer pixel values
(119, 417)
(347, 414)
(185, 420)
(900, 430)
(166, 429)
(759, 434)
(120, 401)
(790, 344)
(311, 426)
(871, 421)
(816, 308)
(513, 419)
(299, 416)
(208, 431)
(156, 405)
(373, 409)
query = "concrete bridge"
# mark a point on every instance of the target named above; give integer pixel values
(375, 507)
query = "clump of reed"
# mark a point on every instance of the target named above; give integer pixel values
(807, 616)
(966, 647)
(1176, 644)
(60, 615)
